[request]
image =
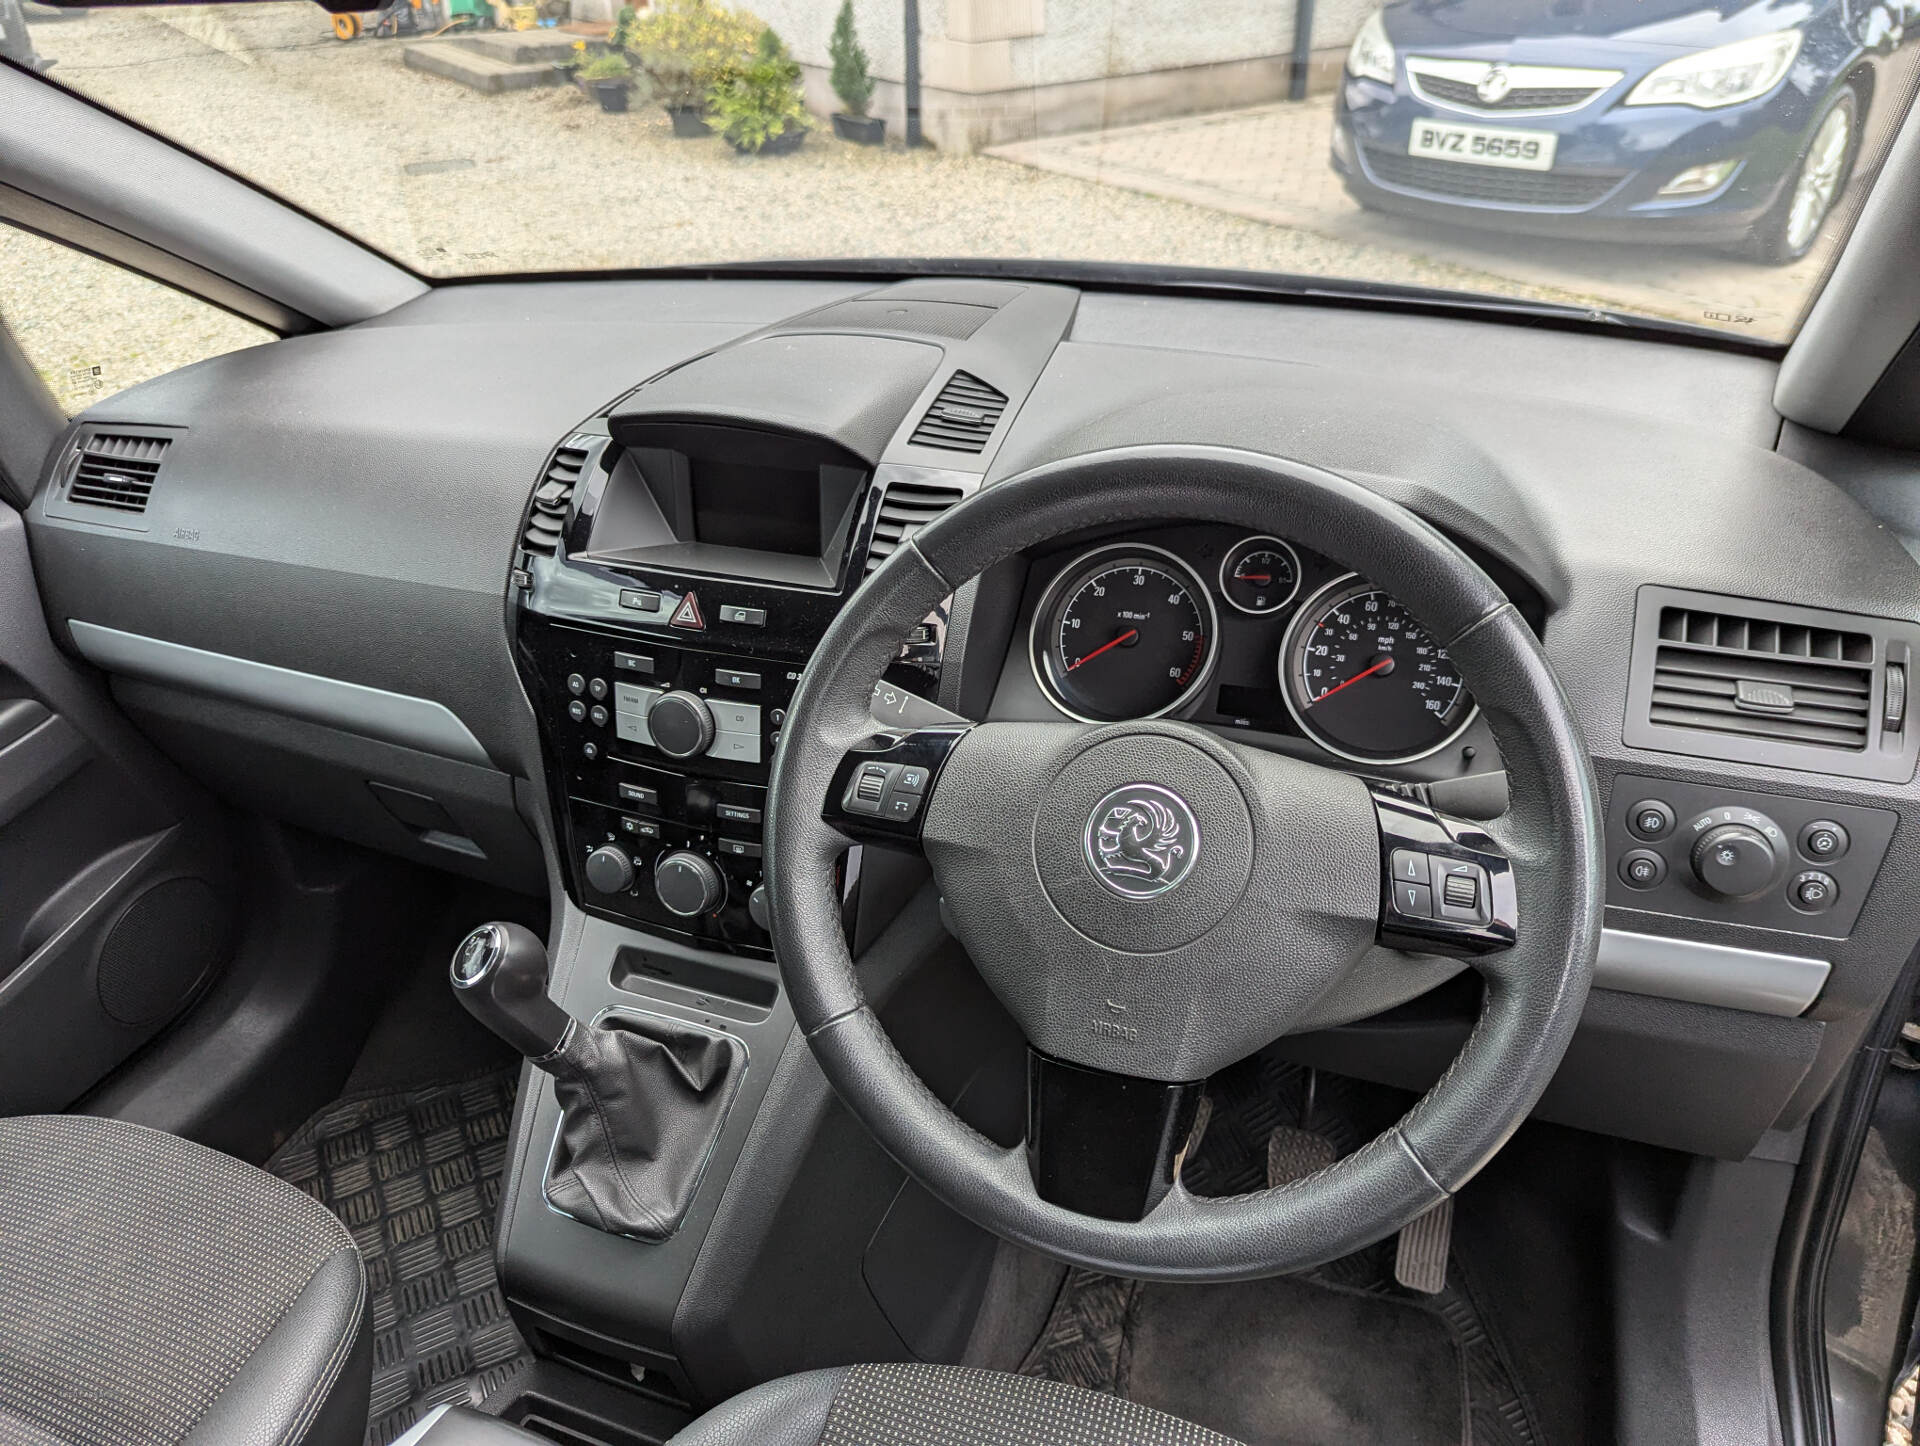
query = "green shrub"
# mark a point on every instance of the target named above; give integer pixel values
(621, 37)
(611, 66)
(852, 82)
(763, 102)
(688, 47)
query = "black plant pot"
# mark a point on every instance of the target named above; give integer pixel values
(862, 130)
(784, 144)
(689, 121)
(612, 95)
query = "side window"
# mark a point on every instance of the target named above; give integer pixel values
(92, 329)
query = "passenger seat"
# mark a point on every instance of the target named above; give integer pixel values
(157, 1293)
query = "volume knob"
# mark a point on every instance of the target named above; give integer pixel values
(609, 870)
(1735, 861)
(689, 883)
(681, 724)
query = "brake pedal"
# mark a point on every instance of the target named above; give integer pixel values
(1420, 1262)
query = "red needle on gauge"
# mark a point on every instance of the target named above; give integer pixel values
(1127, 636)
(1253, 577)
(1367, 673)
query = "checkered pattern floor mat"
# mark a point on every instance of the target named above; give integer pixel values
(415, 1175)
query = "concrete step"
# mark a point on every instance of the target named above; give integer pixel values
(516, 47)
(450, 60)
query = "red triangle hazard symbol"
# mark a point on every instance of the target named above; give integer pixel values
(688, 614)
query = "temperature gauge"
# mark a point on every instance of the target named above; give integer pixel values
(1260, 574)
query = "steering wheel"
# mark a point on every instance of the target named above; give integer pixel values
(1152, 903)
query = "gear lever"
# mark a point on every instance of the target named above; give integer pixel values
(500, 975)
(642, 1098)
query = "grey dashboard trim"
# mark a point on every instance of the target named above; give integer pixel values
(418, 723)
(1687, 969)
(1870, 304)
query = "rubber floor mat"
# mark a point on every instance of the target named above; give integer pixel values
(415, 1175)
(1248, 1359)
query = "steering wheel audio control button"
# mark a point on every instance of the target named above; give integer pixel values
(1413, 900)
(1410, 867)
(868, 791)
(1650, 819)
(1642, 869)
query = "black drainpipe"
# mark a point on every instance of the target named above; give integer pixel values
(1302, 49)
(913, 72)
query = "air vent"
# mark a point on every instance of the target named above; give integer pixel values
(554, 496)
(117, 471)
(907, 507)
(1759, 678)
(962, 417)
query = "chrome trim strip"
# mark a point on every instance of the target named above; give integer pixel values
(1751, 979)
(418, 723)
(1523, 77)
(422, 1427)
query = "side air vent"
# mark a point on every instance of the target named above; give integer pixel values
(554, 496)
(117, 471)
(1762, 683)
(962, 417)
(906, 508)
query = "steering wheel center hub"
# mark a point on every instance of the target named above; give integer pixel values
(1152, 864)
(1142, 840)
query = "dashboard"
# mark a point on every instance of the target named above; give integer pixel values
(530, 623)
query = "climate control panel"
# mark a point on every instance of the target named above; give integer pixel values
(1771, 860)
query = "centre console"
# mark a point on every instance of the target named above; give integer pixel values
(662, 639)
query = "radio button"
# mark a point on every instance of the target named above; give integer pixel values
(735, 678)
(736, 717)
(736, 813)
(633, 663)
(639, 793)
(736, 747)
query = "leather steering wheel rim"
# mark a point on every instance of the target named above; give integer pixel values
(1534, 991)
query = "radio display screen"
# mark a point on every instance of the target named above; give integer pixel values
(764, 509)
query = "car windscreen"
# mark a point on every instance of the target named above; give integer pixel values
(1677, 162)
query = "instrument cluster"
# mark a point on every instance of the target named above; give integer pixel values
(1243, 627)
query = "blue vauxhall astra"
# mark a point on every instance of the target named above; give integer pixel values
(1648, 120)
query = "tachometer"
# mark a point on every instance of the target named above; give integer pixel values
(1123, 632)
(1367, 682)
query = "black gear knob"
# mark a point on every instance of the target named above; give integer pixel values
(500, 975)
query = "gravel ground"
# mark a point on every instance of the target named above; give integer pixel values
(454, 182)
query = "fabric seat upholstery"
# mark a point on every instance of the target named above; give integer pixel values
(157, 1293)
(889, 1405)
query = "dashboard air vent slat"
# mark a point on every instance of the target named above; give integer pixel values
(117, 471)
(962, 417)
(1757, 678)
(554, 495)
(906, 508)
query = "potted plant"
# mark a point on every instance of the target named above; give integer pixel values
(853, 83)
(610, 78)
(760, 110)
(687, 48)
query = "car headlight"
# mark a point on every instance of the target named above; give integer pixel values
(1371, 54)
(1725, 75)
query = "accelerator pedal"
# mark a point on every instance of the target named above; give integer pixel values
(1420, 1263)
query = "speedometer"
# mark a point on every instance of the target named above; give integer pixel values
(1123, 632)
(1367, 682)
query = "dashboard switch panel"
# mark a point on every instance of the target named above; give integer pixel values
(1739, 857)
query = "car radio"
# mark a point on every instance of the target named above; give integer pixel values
(672, 581)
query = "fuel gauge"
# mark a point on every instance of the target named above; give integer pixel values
(1260, 574)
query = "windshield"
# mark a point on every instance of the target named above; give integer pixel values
(1677, 161)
